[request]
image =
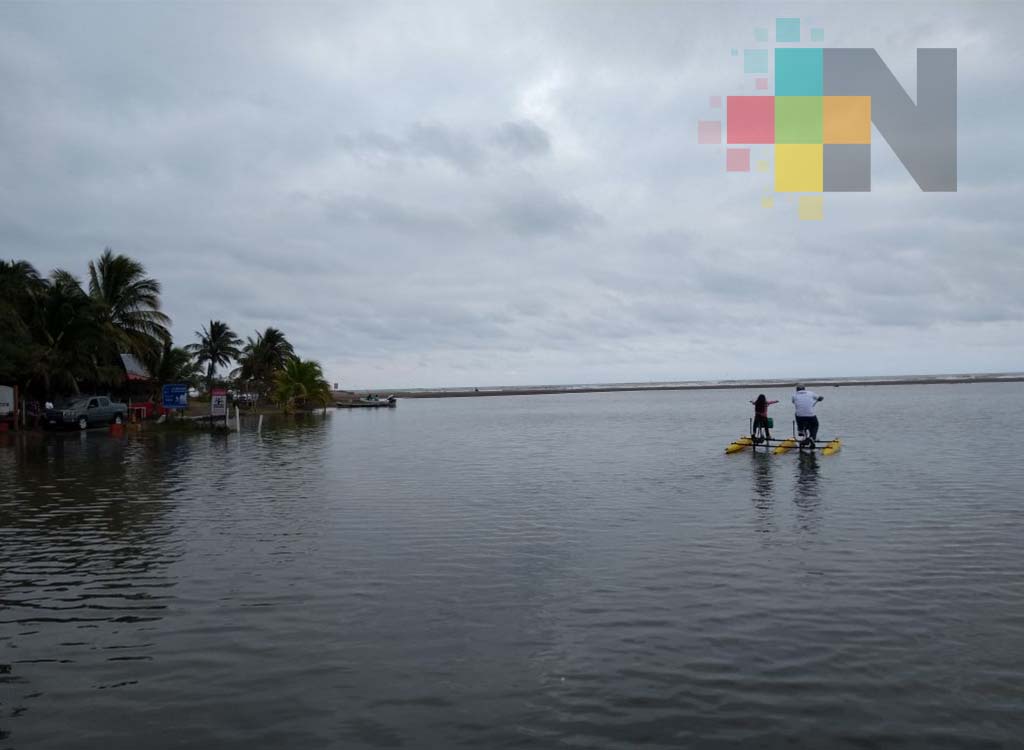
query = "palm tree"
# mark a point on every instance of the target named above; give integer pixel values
(175, 365)
(68, 337)
(19, 279)
(262, 358)
(51, 332)
(274, 349)
(21, 294)
(217, 346)
(130, 303)
(301, 383)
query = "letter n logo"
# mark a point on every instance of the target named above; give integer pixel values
(922, 135)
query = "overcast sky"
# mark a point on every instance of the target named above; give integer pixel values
(502, 193)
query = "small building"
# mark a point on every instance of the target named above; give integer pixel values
(134, 370)
(139, 387)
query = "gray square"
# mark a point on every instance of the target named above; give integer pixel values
(847, 168)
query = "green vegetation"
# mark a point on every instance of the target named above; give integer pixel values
(217, 346)
(63, 337)
(128, 305)
(301, 384)
(261, 359)
(60, 338)
(176, 365)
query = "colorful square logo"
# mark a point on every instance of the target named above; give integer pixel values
(819, 117)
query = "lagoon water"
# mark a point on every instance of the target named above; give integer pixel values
(538, 572)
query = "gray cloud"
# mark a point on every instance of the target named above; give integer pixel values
(453, 194)
(523, 138)
(421, 141)
(459, 149)
(539, 213)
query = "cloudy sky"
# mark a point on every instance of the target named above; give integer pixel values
(504, 193)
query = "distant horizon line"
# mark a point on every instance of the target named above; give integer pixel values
(710, 384)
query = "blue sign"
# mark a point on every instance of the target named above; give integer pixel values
(176, 396)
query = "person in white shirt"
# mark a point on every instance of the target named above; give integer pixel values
(804, 402)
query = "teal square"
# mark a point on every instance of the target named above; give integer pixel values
(755, 61)
(799, 71)
(787, 29)
(798, 119)
(817, 35)
(761, 34)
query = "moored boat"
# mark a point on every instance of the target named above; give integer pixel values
(368, 402)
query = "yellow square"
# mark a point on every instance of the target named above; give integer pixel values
(767, 202)
(847, 119)
(798, 167)
(762, 165)
(811, 208)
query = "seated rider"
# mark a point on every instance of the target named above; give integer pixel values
(803, 403)
(761, 405)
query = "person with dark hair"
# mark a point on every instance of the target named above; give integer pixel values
(761, 405)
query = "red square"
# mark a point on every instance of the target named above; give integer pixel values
(709, 131)
(751, 119)
(737, 160)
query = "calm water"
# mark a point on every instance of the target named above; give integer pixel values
(548, 571)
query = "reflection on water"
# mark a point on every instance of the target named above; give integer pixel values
(807, 496)
(764, 491)
(807, 492)
(763, 484)
(558, 571)
(84, 560)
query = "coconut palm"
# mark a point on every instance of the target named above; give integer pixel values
(19, 280)
(129, 303)
(217, 346)
(68, 336)
(175, 365)
(300, 383)
(273, 348)
(52, 332)
(262, 358)
(56, 337)
(21, 293)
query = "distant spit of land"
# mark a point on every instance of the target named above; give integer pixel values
(536, 390)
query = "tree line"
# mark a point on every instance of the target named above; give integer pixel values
(61, 337)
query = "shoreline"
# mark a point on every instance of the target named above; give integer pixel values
(547, 390)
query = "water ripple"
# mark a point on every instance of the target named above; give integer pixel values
(558, 571)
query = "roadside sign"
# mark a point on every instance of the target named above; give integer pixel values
(6, 400)
(176, 396)
(218, 402)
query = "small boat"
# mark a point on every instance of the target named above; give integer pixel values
(780, 446)
(368, 402)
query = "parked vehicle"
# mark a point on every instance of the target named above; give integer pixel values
(86, 411)
(243, 399)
